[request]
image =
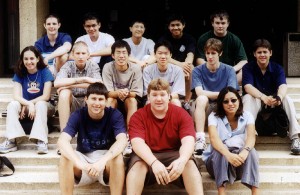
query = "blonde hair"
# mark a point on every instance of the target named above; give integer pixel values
(158, 84)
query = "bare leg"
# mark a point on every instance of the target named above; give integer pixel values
(131, 107)
(192, 179)
(65, 98)
(254, 190)
(221, 190)
(60, 61)
(111, 102)
(188, 93)
(200, 116)
(135, 178)
(66, 176)
(116, 169)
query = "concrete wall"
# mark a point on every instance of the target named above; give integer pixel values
(32, 14)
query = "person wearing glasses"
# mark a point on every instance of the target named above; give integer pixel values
(207, 81)
(99, 43)
(231, 155)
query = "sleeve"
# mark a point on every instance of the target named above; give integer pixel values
(47, 75)
(150, 46)
(137, 82)
(109, 40)
(250, 118)
(200, 47)
(66, 38)
(94, 70)
(247, 77)
(137, 126)
(118, 123)
(196, 78)
(73, 124)
(107, 77)
(38, 45)
(179, 82)
(280, 76)
(17, 79)
(147, 78)
(186, 127)
(232, 79)
(240, 51)
(212, 119)
(64, 71)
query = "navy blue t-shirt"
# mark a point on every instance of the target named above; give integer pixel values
(95, 134)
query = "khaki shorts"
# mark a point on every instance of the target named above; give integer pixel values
(77, 102)
(166, 158)
(86, 179)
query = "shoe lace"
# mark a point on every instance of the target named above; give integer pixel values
(201, 142)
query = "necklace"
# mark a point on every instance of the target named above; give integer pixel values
(30, 81)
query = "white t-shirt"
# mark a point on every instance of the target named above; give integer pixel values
(104, 40)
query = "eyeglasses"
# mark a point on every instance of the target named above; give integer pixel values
(89, 26)
(231, 100)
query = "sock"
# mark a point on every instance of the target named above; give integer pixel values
(200, 135)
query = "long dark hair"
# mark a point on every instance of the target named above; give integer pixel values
(220, 112)
(20, 68)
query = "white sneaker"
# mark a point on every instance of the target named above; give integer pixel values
(200, 146)
(42, 147)
(128, 149)
(8, 146)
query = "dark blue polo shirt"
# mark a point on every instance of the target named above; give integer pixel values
(267, 83)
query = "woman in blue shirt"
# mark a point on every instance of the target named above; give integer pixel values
(231, 155)
(31, 94)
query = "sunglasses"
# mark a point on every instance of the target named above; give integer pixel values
(231, 100)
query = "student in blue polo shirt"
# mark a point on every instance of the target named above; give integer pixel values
(55, 45)
(264, 82)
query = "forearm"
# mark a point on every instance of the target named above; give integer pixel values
(251, 90)
(240, 65)
(282, 91)
(102, 52)
(143, 150)
(189, 58)
(210, 94)
(187, 148)
(116, 149)
(251, 137)
(60, 51)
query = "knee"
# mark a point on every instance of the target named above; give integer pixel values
(64, 162)
(14, 105)
(139, 168)
(64, 95)
(41, 104)
(118, 161)
(201, 101)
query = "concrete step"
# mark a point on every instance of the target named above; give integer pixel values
(41, 180)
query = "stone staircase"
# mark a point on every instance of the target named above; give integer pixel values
(38, 174)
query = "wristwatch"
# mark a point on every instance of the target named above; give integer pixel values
(247, 148)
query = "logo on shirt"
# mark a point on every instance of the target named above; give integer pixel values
(182, 48)
(33, 87)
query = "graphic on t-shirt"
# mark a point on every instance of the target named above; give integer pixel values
(33, 87)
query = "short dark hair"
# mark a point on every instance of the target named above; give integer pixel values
(175, 16)
(90, 16)
(165, 43)
(262, 43)
(52, 15)
(120, 44)
(222, 14)
(220, 112)
(97, 88)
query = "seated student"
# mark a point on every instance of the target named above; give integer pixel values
(73, 79)
(234, 53)
(142, 49)
(163, 69)
(184, 46)
(231, 155)
(207, 81)
(55, 45)
(124, 82)
(264, 79)
(100, 142)
(99, 43)
(163, 139)
(32, 89)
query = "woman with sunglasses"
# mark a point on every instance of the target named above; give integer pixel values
(231, 155)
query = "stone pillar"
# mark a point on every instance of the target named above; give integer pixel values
(32, 14)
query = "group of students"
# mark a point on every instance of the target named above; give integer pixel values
(148, 82)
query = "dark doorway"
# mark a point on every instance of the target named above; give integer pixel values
(250, 19)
